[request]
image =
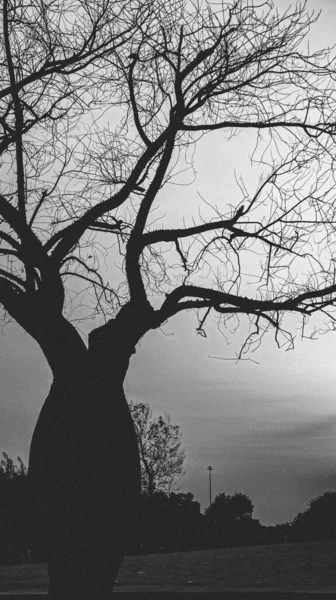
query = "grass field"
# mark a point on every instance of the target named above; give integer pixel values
(307, 567)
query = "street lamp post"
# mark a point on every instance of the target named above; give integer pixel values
(210, 469)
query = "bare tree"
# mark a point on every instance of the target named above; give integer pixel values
(159, 443)
(102, 103)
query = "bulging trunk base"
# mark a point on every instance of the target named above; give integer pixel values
(85, 478)
(87, 575)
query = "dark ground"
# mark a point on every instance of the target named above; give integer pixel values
(291, 571)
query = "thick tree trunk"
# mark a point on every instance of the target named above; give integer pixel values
(84, 467)
(85, 476)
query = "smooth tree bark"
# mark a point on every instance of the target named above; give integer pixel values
(79, 233)
(84, 465)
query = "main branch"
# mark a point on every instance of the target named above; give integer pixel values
(20, 175)
(225, 302)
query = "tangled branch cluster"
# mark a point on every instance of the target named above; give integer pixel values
(100, 102)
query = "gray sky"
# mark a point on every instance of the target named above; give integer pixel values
(268, 429)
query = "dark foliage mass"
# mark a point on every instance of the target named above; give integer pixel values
(318, 521)
(14, 545)
(229, 518)
(168, 521)
(227, 508)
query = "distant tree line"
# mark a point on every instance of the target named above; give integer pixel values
(168, 520)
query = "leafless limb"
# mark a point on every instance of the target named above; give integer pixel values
(81, 186)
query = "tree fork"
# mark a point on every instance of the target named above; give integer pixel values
(85, 433)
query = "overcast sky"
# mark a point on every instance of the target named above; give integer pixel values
(267, 429)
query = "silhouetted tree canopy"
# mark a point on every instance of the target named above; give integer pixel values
(159, 443)
(14, 536)
(9, 470)
(169, 522)
(318, 521)
(229, 520)
(226, 508)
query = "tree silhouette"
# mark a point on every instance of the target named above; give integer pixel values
(102, 104)
(9, 470)
(230, 520)
(226, 508)
(14, 536)
(169, 522)
(318, 521)
(159, 444)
